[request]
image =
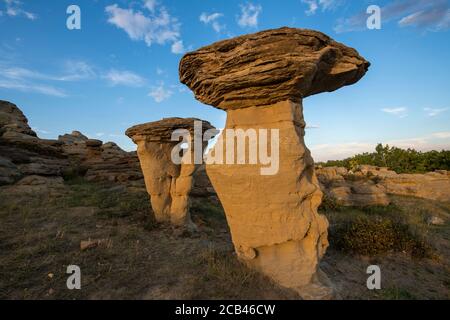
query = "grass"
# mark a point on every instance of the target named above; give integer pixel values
(396, 293)
(372, 235)
(377, 230)
(144, 260)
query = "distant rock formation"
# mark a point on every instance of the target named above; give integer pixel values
(24, 154)
(369, 185)
(102, 162)
(169, 184)
(338, 184)
(260, 80)
(431, 185)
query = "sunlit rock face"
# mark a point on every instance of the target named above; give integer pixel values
(168, 183)
(260, 80)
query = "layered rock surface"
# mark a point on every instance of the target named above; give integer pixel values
(431, 185)
(268, 67)
(24, 154)
(168, 183)
(350, 190)
(260, 80)
(369, 185)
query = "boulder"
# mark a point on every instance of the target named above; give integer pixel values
(38, 185)
(23, 153)
(338, 184)
(168, 183)
(431, 185)
(268, 67)
(260, 80)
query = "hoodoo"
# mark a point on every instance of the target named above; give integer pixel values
(168, 183)
(260, 81)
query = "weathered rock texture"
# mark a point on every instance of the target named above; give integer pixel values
(168, 184)
(101, 162)
(24, 154)
(269, 67)
(431, 185)
(369, 185)
(348, 189)
(260, 80)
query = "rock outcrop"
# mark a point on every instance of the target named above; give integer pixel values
(350, 190)
(169, 183)
(260, 80)
(24, 154)
(370, 185)
(268, 67)
(431, 185)
(101, 162)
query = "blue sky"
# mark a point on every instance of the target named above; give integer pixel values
(121, 68)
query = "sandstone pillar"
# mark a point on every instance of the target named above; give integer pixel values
(260, 80)
(168, 183)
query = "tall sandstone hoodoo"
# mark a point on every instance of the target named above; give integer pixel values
(260, 81)
(168, 183)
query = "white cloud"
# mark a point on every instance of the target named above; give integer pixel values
(312, 6)
(213, 20)
(399, 112)
(160, 93)
(26, 80)
(178, 47)
(249, 15)
(13, 8)
(434, 18)
(77, 70)
(325, 152)
(441, 135)
(150, 5)
(312, 126)
(429, 15)
(154, 26)
(124, 77)
(40, 131)
(73, 71)
(32, 88)
(159, 71)
(432, 112)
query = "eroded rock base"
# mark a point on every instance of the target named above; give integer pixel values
(168, 184)
(273, 219)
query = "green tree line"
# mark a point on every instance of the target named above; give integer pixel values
(398, 160)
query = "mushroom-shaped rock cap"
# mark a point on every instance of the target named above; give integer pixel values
(268, 67)
(162, 130)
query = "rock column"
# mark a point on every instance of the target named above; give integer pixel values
(168, 183)
(260, 80)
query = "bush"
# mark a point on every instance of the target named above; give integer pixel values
(372, 235)
(399, 160)
(329, 204)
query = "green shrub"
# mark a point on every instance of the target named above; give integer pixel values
(372, 235)
(329, 204)
(397, 159)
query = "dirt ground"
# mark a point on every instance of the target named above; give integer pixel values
(139, 259)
